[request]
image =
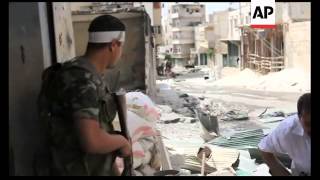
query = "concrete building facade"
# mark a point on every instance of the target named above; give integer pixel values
(182, 19)
(154, 11)
(200, 55)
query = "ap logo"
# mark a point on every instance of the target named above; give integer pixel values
(263, 13)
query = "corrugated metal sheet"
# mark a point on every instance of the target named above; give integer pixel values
(240, 140)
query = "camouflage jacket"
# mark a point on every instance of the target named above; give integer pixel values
(77, 91)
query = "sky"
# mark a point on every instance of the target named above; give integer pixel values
(210, 7)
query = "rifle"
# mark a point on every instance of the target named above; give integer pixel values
(122, 112)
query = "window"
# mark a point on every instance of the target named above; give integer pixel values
(157, 29)
(187, 9)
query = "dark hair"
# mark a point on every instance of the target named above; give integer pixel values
(97, 46)
(104, 23)
(304, 104)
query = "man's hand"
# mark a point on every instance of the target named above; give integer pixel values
(126, 150)
(275, 166)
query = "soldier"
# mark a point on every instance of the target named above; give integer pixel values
(79, 107)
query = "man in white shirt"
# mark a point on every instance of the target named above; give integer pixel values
(291, 137)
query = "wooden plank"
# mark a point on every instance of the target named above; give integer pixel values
(165, 159)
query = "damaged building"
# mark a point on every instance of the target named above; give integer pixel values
(286, 46)
(263, 50)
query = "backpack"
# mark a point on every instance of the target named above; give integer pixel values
(42, 158)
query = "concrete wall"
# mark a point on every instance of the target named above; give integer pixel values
(186, 21)
(149, 9)
(29, 54)
(297, 45)
(181, 9)
(76, 6)
(300, 11)
(63, 29)
(220, 23)
(234, 23)
(137, 65)
(183, 35)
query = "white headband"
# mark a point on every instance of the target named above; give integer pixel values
(106, 36)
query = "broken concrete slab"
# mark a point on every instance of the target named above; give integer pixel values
(167, 118)
(189, 120)
(185, 111)
(171, 121)
(235, 115)
(165, 108)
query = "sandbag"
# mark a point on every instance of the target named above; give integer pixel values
(147, 144)
(139, 127)
(147, 158)
(142, 115)
(138, 155)
(142, 105)
(146, 170)
(137, 173)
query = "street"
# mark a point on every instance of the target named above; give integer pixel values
(184, 136)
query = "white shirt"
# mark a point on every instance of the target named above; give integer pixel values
(290, 138)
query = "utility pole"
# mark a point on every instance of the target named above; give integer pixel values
(241, 38)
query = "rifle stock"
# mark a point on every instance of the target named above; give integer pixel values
(122, 113)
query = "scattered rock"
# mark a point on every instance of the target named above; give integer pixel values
(170, 118)
(184, 95)
(165, 109)
(206, 77)
(235, 115)
(189, 120)
(201, 98)
(172, 121)
(185, 111)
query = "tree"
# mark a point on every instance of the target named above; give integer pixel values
(210, 52)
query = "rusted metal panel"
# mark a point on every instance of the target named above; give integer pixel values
(63, 29)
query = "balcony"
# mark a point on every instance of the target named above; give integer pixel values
(186, 15)
(182, 28)
(182, 41)
(180, 55)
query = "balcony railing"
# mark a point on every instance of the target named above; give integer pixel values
(183, 41)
